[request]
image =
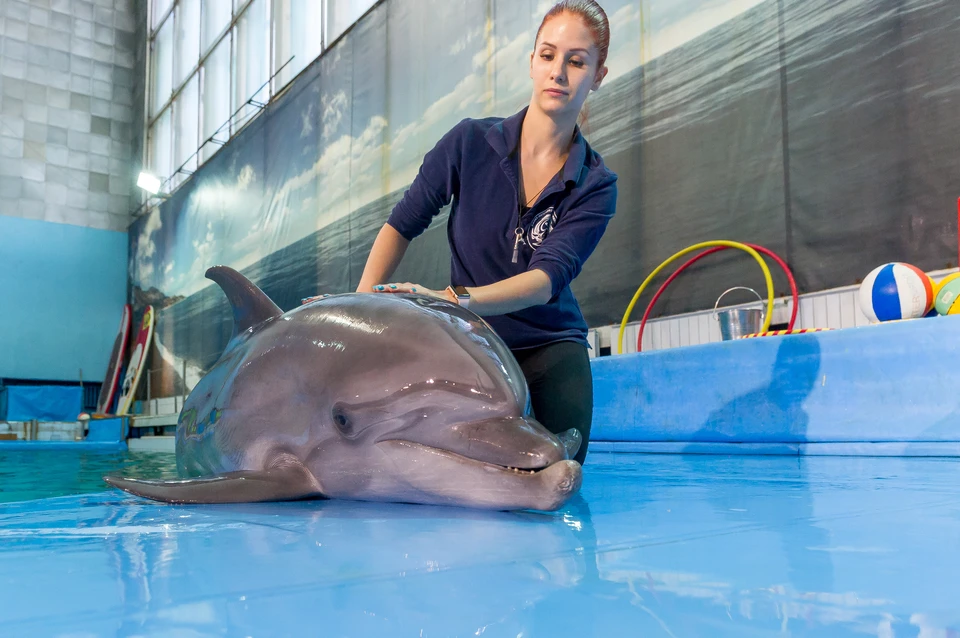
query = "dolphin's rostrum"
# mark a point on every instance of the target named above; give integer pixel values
(377, 397)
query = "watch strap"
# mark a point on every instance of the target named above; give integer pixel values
(461, 295)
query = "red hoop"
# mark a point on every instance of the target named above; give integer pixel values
(696, 258)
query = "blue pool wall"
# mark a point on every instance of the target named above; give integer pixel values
(888, 389)
(64, 288)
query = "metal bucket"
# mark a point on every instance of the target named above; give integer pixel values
(738, 322)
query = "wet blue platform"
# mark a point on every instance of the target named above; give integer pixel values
(655, 545)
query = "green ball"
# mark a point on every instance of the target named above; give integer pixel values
(947, 301)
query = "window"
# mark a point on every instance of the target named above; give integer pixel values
(162, 67)
(251, 61)
(188, 39)
(160, 8)
(209, 58)
(216, 17)
(298, 33)
(186, 110)
(216, 98)
(161, 142)
(340, 14)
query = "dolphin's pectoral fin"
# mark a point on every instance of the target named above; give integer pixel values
(277, 484)
(572, 440)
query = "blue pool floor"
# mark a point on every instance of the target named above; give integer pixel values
(653, 546)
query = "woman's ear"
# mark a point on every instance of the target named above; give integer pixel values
(602, 73)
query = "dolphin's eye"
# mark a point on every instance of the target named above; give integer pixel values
(342, 421)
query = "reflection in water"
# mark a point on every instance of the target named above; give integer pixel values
(775, 412)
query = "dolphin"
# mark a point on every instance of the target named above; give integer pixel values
(373, 397)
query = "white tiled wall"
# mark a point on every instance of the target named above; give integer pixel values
(836, 308)
(70, 103)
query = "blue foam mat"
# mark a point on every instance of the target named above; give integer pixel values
(652, 546)
(874, 388)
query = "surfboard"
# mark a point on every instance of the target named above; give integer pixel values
(138, 361)
(109, 387)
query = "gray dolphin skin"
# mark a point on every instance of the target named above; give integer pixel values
(375, 397)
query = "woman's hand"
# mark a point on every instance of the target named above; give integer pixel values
(307, 300)
(415, 288)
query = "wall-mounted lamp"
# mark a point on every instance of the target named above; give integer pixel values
(149, 183)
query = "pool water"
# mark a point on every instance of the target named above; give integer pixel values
(31, 474)
(653, 545)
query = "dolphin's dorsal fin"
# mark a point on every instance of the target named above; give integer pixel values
(251, 306)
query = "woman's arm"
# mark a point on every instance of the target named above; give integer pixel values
(385, 255)
(431, 190)
(531, 288)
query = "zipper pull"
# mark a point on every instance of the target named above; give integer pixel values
(516, 244)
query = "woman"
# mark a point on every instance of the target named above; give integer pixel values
(531, 201)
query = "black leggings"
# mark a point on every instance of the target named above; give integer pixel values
(561, 387)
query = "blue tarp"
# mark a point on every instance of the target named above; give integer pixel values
(43, 402)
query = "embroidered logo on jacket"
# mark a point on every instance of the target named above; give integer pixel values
(542, 225)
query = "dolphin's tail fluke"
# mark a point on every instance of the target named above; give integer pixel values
(280, 484)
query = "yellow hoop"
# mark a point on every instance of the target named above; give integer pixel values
(705, 244)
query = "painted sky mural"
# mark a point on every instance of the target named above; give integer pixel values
(349, 151)
(817, 128)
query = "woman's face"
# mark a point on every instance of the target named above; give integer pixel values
(563, 65)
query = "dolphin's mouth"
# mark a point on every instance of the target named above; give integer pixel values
(510, 442)
(462, 458)
(445, 477)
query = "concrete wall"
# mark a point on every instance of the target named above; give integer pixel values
(71, 117)
(67, 110)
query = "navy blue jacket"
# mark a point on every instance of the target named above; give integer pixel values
(476, 164)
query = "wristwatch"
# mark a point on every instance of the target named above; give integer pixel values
(460, 292)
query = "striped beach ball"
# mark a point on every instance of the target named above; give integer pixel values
(896, 291)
